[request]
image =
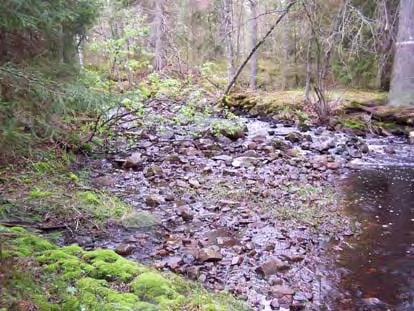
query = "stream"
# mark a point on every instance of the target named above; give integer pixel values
(379, 263)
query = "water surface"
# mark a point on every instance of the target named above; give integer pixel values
(379, 263)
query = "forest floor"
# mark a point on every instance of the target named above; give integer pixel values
(236, 204)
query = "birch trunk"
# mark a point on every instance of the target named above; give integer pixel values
(402, 83)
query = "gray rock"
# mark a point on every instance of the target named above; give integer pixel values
(294, 137)
(125, 249)
(209, 254)
(154, 200)
(272, 267)
(411, 138)
(185, 213)
(244, 162)
(389, 149)
(281, 290)
(153, 170)
(134, 161)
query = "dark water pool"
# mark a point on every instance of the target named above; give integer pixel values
(378, 265)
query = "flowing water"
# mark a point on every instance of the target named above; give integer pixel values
(379, 263)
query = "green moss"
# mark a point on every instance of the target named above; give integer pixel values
(89, 197)
(354, 124)
(110, 266)
(73, 177)
(69, 278)
(103, 206)
(28, 245)
(154, 288)
(66, 262)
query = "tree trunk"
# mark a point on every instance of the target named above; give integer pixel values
(253, 38)
(159, 49)
(228, 32)
(402, 84)
(286, 54)
(308, 70)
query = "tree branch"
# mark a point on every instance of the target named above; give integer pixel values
(269, 32)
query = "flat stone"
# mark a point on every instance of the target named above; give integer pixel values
(236, 260)
(209, 254)
(272, 267)
(174, 262)
(281, 290)
(223, 157)
(244, 162)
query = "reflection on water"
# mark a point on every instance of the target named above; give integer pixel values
(380, 262)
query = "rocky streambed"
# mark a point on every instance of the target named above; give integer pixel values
(258, 216)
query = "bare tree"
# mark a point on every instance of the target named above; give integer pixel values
(159, 30)
(253, 42)
(402, 83)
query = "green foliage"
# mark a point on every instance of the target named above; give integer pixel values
(20, 15)
(159, 87)
(34, 109)
(357, 71)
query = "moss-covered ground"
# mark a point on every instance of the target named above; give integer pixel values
(37, 275)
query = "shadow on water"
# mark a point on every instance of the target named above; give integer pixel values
(379, 263)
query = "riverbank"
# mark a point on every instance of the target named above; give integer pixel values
(236, 204)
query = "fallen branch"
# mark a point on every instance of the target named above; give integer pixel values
(260, 43)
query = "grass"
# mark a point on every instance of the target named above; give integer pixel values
(48, 191)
